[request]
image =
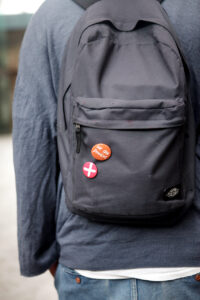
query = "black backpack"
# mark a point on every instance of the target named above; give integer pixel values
(126, 134)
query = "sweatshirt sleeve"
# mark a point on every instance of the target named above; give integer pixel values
(35, 152)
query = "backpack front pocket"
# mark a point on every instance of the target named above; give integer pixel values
(141, 182)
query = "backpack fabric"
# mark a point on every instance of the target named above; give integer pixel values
(125, 83)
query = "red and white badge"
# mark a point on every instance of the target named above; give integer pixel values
(90, 169)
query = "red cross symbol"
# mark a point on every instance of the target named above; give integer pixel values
(89, 169)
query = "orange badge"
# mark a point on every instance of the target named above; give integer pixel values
(101, 151)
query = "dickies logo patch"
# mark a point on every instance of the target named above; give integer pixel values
(172, 192)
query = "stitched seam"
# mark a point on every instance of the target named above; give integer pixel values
(134, 289)
(139, 44)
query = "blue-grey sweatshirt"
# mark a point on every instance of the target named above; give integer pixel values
(47, 230)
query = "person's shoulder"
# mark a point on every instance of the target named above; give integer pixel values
(50, 26)
(56, 15)
(46, 36)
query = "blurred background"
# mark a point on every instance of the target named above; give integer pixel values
(14, 18)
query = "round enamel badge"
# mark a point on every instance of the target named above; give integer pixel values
(90, 169)
(101, 151)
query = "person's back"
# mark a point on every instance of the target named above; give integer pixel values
(47, 229)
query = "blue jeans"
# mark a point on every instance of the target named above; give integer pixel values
(72, 286)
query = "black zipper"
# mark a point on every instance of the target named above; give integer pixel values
(78, 137)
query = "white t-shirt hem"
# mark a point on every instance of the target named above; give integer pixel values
(150, 274)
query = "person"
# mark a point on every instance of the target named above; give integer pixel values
(92, 260)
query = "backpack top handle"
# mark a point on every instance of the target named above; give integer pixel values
(86, 3)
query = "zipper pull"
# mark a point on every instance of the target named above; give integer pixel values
(78, 137)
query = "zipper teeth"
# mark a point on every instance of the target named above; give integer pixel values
(110, 127)
(78, 137)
